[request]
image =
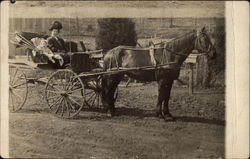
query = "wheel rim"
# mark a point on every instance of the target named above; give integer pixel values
(92, 92)
(18, 89)
(64, 95)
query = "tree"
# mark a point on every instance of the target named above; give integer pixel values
(113, 32)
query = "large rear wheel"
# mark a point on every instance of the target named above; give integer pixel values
(18, 89)
(64, 94)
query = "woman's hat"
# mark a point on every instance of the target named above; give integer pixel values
(56, 25)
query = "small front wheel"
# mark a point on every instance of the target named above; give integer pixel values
(64, 94)
(92, 92)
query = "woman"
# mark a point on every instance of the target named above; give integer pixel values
(57, 44)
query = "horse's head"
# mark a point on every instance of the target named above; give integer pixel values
(203, 43)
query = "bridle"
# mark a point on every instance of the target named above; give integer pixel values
(185, 55)
(175, 53)
(210, 44)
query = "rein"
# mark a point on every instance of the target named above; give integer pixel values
(180, 54)
(172, 52)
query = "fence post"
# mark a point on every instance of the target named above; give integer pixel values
(190, 83)
(77, 26)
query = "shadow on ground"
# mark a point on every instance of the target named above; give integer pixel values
(100, 114)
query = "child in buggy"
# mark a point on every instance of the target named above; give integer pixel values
(41, 48)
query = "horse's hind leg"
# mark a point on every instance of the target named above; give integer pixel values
(165, 86)
(109, 86)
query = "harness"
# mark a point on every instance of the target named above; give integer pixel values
(164, 59)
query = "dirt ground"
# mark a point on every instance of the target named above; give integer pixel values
(135, 133)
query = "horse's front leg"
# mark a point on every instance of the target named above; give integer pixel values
(162, 91)
(165, 110)
(161, 97)
(165, 86)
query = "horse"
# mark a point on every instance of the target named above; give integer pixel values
(175, 51)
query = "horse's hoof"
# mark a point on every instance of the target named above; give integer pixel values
(157, 114)
(110, 113)
(169, 118)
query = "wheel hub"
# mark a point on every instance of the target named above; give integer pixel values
(64, 93)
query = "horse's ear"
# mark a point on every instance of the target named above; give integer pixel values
(198, 31)
(203, 29)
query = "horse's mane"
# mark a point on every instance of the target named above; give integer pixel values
(181, 42)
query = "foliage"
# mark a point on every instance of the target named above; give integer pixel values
(113, 32)
(217, 66)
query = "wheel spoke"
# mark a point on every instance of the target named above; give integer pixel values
(73, 85)
(57, 109)
(75, 90)
(22, 88)
(89, 92)
(19, 85)
(67, 106)
(50, 106)
(13, 105)
(68, 84)
(20, 78)
(93, 102)
(93, 84)
(54, 92)
(70, 95)
(91, 96)
(14, 93)
(63, 106)
(69, 102)
(14, 76)
(65, 77)
(56, 96)
(10, 75)
(61, 79)
(75, 101)
(98, 99)
(54, 87)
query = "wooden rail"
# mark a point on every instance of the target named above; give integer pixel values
(88, 52)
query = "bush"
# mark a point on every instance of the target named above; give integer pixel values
(113, 32)
(217, 66)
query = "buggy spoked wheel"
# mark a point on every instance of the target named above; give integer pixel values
(18, 89)
(92, 92)
(64, 94)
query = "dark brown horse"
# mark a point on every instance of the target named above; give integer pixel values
(175, 52)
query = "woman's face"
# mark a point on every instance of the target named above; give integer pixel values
(55, 32)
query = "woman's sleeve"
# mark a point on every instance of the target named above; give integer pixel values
(51, 45)
(64, 46)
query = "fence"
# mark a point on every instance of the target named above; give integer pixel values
(87, 26)
(71, 26)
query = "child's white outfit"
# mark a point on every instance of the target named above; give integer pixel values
(41, 46)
